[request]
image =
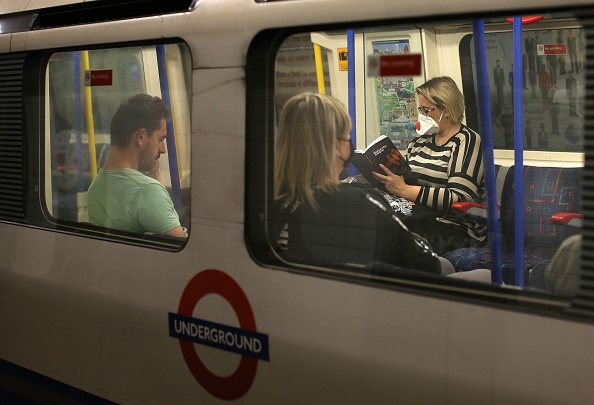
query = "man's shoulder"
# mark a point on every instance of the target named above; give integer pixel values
(124, 182)
(127, 175)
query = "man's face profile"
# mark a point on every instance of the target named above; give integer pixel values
(153, 148)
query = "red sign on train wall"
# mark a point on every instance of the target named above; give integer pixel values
(394, 65)
(98, 77)
(551, 49)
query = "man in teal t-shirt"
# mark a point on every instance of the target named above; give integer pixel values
(122, 196)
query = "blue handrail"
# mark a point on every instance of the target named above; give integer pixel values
(518, 155)
(171, 147)
(487, 144)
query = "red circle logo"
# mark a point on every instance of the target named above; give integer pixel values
(217, 282)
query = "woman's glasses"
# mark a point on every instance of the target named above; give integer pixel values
(425, 110)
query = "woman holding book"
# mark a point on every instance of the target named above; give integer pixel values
(447, 160)
(329, 221)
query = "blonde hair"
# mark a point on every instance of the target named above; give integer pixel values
(443, 92)
(305, 159)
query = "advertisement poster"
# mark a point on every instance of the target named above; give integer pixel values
(553, 86)
(397, 109)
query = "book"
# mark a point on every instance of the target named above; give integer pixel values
(381, 150)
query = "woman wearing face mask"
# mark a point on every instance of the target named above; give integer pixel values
(326, 220)
(447, 160)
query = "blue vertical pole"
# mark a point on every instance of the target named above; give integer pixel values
(352, 96)
(518, 155)
(487, 144)
(171, 149)
(78, 113)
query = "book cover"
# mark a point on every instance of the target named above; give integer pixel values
(381, 150)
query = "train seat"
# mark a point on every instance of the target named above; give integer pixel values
(547, 191)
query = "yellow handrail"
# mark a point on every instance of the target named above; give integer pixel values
(90, 122)
(319, 69)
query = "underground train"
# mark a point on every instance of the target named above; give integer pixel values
(91, 314)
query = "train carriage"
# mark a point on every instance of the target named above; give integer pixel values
(94, 314)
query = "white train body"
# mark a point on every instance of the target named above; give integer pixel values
(92, 309)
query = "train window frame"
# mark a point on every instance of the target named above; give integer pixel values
(262, 119)
(176, 60)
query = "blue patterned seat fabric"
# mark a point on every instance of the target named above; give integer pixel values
(547, 190)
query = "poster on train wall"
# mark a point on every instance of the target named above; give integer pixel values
(296, 69)
(552, 86)
(397, 108)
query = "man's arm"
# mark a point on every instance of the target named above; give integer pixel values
(155, 172)
(156, 212)
(178, 232)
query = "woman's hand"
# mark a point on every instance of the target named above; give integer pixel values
(396, 185)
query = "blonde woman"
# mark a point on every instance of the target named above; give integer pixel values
(313, 148)
(448, 162)
(329, 221)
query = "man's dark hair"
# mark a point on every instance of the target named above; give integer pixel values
(139, 111)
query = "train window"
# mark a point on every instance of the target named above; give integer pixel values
(85, 89)
(453, 215)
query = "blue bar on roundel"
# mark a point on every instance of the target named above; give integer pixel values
(224, 337)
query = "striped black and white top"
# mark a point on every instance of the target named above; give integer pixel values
(449, 173)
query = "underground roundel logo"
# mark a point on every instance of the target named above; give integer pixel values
(245, 340)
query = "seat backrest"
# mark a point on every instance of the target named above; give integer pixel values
(500, 176)
(547, 190)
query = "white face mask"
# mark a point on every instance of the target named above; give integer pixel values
(427, 125)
